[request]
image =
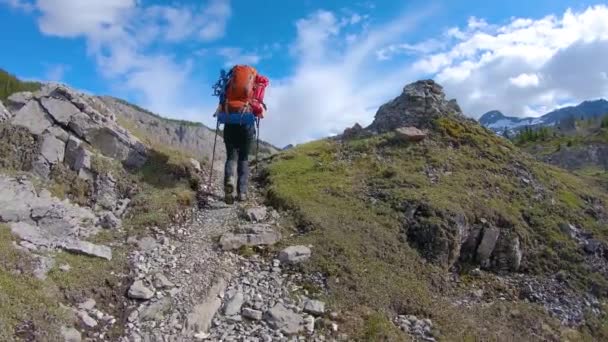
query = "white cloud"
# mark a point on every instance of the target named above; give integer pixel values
(525, 80)
(132, 44)
(525, 64)
(334, 84)
(233, 56)
(422, 48)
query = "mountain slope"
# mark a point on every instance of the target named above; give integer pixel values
(400, 228)
(498, 122)
(192, 138)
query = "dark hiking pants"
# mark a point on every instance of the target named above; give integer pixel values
(238, 140)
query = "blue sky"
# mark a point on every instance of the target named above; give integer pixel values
(331, 64)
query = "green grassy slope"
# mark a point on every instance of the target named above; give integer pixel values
(350, 200)
(9, 85)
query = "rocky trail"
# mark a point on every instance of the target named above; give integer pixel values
(189, 287)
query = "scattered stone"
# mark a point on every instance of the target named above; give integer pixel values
(234, 304)
(65, 268)
(70, 335)
(139, 291)
(252, 314)
(418, 328)
(87, 305)
(201, 336)
(411, 134)
(42, 266)
(309, 323)
(133, 316)
(147, 243)
(230, 241)
(161, 281)
(155, 311)
(592, 246)
(195, 164)
(86, 319)
(110, 221)
(314, 307)
(257, 214)
(283, 319)
(295, 254)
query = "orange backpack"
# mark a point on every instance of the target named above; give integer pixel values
(239, 90)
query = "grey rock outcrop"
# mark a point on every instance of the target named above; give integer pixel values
(194, 139)
(419, 105)
(45, 221)
(4, 113)
(446, 238)
(68, 123)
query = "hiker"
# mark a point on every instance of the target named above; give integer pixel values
(241, 92)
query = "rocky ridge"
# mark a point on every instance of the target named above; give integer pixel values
(69, 125)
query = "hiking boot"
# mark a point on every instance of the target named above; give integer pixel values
(242, 197)
(229, 194)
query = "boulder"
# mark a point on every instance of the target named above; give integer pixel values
(486, 246)
(77, 157)
(411, 134)
(86, 248)
(52, 149)
(139, 291)
(285, 320)
(60, 110)
(254, 236)
(4, 113)
(17, 100)
(32, 117)
(105, 192)
(295, 254)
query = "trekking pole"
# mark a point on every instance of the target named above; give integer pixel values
(217, 127)
(257, 148)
